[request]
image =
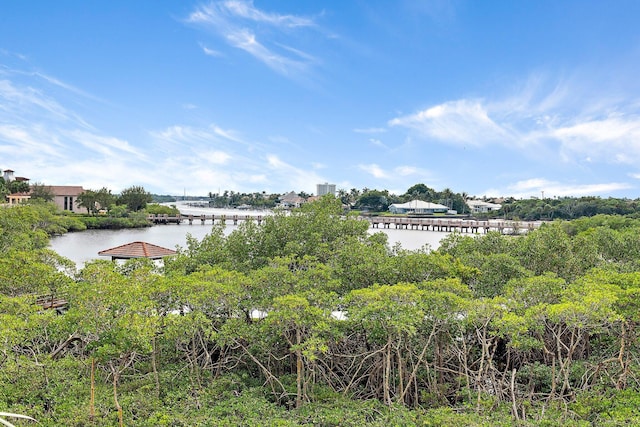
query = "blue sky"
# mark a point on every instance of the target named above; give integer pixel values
(491, 98)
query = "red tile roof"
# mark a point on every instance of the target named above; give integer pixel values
(137, 250)
(65, 190)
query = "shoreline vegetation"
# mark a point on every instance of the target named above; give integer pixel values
(307, 319)
(129, 209)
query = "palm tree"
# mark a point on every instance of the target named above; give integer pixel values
(465, 197)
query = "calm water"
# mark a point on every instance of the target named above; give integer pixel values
(84, 246)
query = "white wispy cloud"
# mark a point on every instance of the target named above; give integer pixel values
(377, 142)
(615, 138)
(210, 52)
(396, 179)
(298, 177)
(410, 171)
(106, 145)
(538, 117)
(196, 136)
(33, 141)
(216, 157)
(243, 26)
(229, 134)
(458, 122)
(535, 187)
(14, 99)
(374, 170)
(43, 136)
(66, 86)
(371, 130)
(246, 9)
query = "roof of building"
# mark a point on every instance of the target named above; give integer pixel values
(137, 250)
(419, 204)
(65, 190)
(292, 197)
(483, 203)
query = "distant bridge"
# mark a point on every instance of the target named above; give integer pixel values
(409, 223)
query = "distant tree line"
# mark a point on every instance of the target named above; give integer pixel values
(134, 199)
(226, 199)
(365, 199)
(566, 208)
(380, 200)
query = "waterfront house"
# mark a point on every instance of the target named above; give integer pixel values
(479, 206)
(291, 200)
(417, 207)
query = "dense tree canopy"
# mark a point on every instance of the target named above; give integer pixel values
(568, 208)
(310, 319)
(18, 186)
(41, 192)
(4, 189)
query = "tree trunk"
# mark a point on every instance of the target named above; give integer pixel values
(116, 374)
(92, 400)
(155, 366)
(299, 369)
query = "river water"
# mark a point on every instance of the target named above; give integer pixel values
(84, 246)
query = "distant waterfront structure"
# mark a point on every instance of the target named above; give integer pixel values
(65, 196)
(326, 188)
(417, 207)
(479, 206)
(291, 200)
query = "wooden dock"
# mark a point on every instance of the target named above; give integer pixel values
(223, 219)
(408, 223)
(454, 224)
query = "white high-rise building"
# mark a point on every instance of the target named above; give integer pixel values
(326, 188)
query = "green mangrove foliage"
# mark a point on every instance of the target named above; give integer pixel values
(308, 319)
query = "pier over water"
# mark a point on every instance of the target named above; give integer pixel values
(408, 223)
(455, 224)
(223, 219)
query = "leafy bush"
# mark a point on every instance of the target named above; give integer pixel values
(156, 209)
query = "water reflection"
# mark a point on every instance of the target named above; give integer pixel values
(84, 246)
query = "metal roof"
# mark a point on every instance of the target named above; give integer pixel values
(419, 204)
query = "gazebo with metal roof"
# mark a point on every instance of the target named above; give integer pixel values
(137, 250)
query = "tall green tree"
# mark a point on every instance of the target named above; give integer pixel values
(40, 191)
(375, 200)
(4, 189)
(87, 200)
(135, 198)
(104, 198)
(18, 186)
